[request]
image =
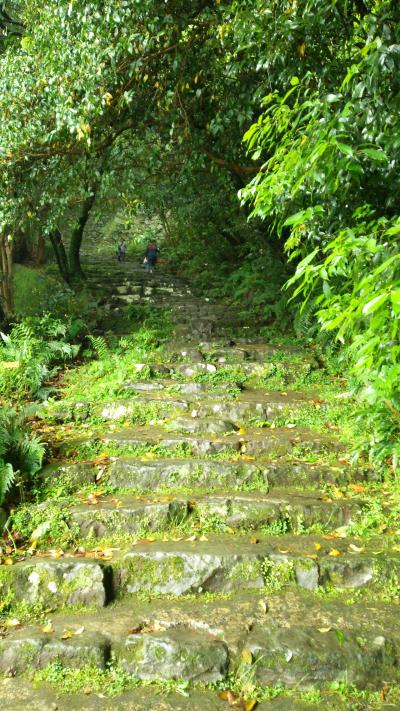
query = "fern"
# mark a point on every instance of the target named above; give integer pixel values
(33, 348)
(100, 347)
(7, 478)
(305, 321)
(20, 451)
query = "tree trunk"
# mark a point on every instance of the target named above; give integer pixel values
(61, 255)
(76, 239)
(40, 251)
(6, 275)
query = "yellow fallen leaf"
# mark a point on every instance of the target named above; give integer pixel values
(47, 629)
(247, 656)
(324, 630)
(8, 561)
(191, 539)
(13, 623)
(242, 431)
(203, 538)
(249, 705)
(334, 553)
(317, 546)
(67, 634)
(290, 426)
(355, 549)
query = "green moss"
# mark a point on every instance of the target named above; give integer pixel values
(247, 571)
(277, 575)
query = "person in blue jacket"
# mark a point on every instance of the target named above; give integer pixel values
(150, 256)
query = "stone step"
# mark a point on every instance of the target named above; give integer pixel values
(255, 442)
(54, 583)
(198, 565)
(123, 515)
(151, 475)
(226, 564)
(293, 640)
(248, 369)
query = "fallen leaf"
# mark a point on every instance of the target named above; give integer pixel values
(67, 634)
(357, 488)
(203, 538)
(254, 540)
(79, 631)
(8, 561)
(324, 630)
(135, 630)
(14, 623)
(355, 549)
(48, 629)
(249, 705)
(334, 553)
(263, 605)
(191, 539)
(231, 698)
(247, 656)
(317, 546)
(290, 426)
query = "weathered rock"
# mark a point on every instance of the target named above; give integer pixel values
(190, 370)
(291, 510)
(180, 569)
(142, 476)
(124, 515)
(305, 657)
(69, 476)
(175, 654)
(144, 386)
(55, 583)
(37, 651)
(194, 425)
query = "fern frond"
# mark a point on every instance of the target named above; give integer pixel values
(7, 478)
(100, 347)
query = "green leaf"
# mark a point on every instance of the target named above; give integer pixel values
(374, 304)
(344, 148)
(375, 154)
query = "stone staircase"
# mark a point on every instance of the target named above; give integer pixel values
(212, 556)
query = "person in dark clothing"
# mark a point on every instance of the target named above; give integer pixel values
(121, 251)
(150, 256)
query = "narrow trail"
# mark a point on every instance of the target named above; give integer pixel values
(208, 549)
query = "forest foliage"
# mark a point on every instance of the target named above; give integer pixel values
(120, 101)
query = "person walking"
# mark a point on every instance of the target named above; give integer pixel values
(121, 251)
(150, 256)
